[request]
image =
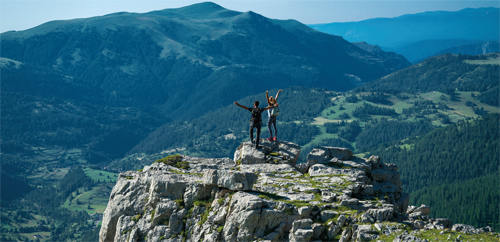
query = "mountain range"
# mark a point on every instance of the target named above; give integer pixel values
(172, 64)
(422, 35)
(200, 56)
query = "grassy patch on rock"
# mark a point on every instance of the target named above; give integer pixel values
(175, 161)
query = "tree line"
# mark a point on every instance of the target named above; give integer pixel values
(466, 150)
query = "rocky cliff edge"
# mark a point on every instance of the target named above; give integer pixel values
(264, 195)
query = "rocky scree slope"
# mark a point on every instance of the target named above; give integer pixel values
(264, 195)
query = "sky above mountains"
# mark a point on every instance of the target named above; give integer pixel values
(24, 14)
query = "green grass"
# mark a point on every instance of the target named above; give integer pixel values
(97, 198)
(102, 176)
(459, 111)
(30, 236)
(489, 61)
(434, 235)
(175, 161)
(46, 173)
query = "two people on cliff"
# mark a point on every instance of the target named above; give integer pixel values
(256, 120)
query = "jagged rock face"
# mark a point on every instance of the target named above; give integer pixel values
(252, 199)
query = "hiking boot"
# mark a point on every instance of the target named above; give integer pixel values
(275, 139)
(270, 138)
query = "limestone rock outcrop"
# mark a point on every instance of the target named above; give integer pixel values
(263, 194)
(271, 152)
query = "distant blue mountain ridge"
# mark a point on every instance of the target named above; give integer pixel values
(419, 36)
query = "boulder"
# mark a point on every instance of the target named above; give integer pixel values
(359, 163)
(333, 230)
(273, 152)
(365, 233)
(346, 235)
(304, 211)
(419, 224)
(442, 223)
(405, 236)
(324, 154)
(301, 235)
(357, 175)
(383, 175)
(250, 217)
(464, 228)
(341, 220)
(401, 204)
(382, 214)
(374, 161)
(318, 229)
(422, 209)
(386, 187)
(367, 218)
(246, 153)
(232, 180)
(290, 152)
(301, 224)
(301, 230)
(327, 214)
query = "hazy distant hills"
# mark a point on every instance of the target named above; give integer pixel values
(419, 36)
(191, 60)
(473, 49)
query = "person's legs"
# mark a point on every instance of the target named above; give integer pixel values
(251, 132)
(258, 135)
(275, 129)
(269, 121)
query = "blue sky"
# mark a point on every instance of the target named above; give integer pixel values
(24, 14)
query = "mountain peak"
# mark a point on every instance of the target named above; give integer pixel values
(204, 10)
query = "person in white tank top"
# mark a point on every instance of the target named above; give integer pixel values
(273, 114)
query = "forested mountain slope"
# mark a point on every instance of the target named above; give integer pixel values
(446, 73)
(191, 60)
(311, 117)
(473, 201)
(458, 163)
(42, 107)
(219, 132)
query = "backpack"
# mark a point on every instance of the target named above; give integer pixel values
(275, 111)
(256, 117)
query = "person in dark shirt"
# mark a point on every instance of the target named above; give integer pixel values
(256, 120)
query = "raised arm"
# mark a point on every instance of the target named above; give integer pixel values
(269, 107)
(267, 99)
(237, 104)
(277, 94)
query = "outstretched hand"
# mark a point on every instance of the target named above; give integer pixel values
(236, 103)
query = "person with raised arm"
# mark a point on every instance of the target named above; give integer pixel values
(272, 114)
(256, 120)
